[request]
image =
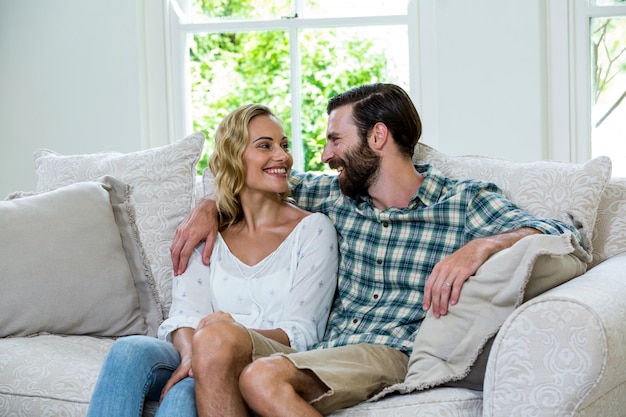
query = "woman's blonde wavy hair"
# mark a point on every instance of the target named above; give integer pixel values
(226, 161)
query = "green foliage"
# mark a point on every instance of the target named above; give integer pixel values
(229, 70)
(608, 49)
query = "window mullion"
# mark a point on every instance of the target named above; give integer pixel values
(297, 146)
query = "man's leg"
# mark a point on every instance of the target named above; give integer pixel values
(220, 352)
(317, 382)
(273, 386)
(136, 368)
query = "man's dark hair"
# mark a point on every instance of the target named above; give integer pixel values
(385, 103)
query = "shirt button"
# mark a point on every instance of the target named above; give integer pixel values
(379, 261)
(375, 296)
(385, 224)
(355, 321)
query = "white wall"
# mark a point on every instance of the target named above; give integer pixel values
(80, 76)
(490, 76)
(69, 81)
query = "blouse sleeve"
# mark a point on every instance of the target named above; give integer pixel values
(191, 295)
(314, 271)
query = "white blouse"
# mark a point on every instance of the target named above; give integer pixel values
(291, 289)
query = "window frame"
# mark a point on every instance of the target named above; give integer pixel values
(181, 32)
(569, 76)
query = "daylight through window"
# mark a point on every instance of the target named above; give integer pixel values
(292, 55)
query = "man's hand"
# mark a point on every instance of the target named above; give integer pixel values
(444, 284)
(200, 224)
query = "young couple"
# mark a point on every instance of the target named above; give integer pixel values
(408, 238)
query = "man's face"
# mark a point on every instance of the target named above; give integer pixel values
(356, 163)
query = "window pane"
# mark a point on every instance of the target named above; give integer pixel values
(344, 8)
(204, 10)
(335, 60)
(229, 70)
(232, 69)
(608, 37)
(607, 2)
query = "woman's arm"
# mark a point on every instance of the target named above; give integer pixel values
(314, 282)
(191, 297)
(181, 339)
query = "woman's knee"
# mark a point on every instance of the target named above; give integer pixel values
(222, 339)
(146, 350)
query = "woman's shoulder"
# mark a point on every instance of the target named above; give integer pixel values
(317, 220)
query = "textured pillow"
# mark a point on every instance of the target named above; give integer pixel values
(453, 349)
(609, 237)
(564, 191)
(71, 263)
(162, 184)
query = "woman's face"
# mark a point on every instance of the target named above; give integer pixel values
(267, 158)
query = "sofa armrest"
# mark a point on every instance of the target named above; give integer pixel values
(563, 352)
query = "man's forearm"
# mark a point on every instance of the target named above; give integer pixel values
(201, 224)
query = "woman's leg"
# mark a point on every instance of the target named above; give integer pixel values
(180, 400)
(135, 369)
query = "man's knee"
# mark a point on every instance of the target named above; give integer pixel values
(261, 378)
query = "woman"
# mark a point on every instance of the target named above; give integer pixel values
(268, 289)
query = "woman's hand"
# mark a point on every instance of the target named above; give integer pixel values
(183, 371)
(214, 318)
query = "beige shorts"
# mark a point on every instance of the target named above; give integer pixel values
(352, 373)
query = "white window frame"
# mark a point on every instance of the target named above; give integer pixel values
(569, 76)
(179, 32)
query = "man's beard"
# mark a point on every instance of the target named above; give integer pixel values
(360, 170)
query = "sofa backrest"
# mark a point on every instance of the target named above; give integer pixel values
(609, 236)
(569, 192)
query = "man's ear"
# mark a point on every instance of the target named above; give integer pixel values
(379, 136)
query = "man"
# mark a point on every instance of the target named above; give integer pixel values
(408, 238)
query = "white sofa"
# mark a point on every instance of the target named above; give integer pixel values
(559, 353)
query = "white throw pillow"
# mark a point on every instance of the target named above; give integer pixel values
(71, 263)
(162, 184)
(565, 191)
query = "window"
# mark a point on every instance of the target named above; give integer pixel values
(587, 43)
(292, 55)
(607, 32)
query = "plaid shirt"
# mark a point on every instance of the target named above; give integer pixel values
(386, 256)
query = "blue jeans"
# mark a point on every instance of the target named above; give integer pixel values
(135, 370)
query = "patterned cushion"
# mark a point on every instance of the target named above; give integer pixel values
(162, 184)
(49, 375)
(437, 402)
(609, 237)
(565, 191)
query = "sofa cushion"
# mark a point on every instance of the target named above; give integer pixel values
(565, 191)
(162, 184)
(49, 375)
(455, 347)
(71, 263)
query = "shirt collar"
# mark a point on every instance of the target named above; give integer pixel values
(427, 195)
